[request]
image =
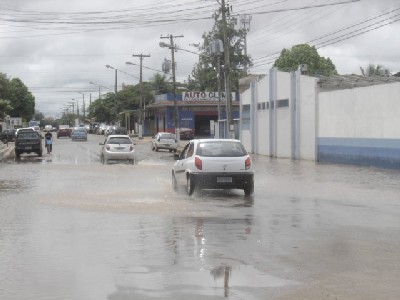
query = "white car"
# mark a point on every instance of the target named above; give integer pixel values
(164, 140)
(117, 147)
(213, 164)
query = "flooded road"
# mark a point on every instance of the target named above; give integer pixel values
(72, 228)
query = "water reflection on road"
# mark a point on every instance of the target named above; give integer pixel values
(71, 228)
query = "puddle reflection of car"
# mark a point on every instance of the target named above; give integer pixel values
(79, 133)
(117, 147)
(213, 164)
(164, 140)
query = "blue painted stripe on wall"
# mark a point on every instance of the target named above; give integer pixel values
(383, 153)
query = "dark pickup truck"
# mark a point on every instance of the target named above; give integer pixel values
(28, 142)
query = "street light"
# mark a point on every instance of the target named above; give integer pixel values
(100, 86)
(84, 112)
(116, 80)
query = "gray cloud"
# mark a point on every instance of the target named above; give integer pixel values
(58, 54)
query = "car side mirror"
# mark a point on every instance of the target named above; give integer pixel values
(176, 156)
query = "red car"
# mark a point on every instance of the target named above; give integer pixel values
(63, 132)
(186, 133)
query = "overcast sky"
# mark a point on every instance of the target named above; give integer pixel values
(57, 47)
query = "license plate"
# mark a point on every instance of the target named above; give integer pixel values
(28, 147)
(224, 179)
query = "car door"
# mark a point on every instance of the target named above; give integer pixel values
(181, 164)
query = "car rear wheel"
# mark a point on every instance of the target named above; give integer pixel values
(190, 186)
(249, 189)
(131, 161)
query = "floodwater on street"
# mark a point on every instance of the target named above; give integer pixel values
(72, 228)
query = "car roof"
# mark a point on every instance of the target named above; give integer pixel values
(119, 135)
(216, 140)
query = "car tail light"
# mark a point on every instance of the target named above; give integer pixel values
(108, 147)
(198, 163)
(131, 148)
(247, 163)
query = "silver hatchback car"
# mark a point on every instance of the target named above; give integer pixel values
(117, 147)
(164, 140)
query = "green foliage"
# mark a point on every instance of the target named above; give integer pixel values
(22, 101)
(204, 74)
(128, 99)
(373, 70)
(290, 59)
(161, 85)
(5, 108)
(3, 86)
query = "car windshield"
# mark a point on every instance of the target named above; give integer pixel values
(119, 140)
(27, 135)
(218, 149)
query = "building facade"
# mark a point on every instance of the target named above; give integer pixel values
(343, 119)
(195, 111)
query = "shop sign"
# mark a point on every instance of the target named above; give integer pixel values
(204, 96)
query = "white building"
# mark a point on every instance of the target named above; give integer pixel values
(343, 119)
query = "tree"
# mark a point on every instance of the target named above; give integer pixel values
(3, 86)
(161, 84)
(22, 101)
(372, 70)
(290, 59)
(5, 108)
(204, 74)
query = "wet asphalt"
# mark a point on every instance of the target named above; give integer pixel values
(72, 228)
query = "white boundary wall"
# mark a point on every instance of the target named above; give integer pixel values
(367, 112)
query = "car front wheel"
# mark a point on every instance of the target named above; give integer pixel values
(174, 183)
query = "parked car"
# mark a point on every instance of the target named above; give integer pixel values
(110, 129)
(164, 140)
(120, 130)
(186, 133)
(79, 133)
(213, 164)
(7, 135)
(63, 132)
(117, 147)
(28, 141)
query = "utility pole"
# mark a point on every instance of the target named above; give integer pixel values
(141, 56)
(173, 49)
(227, 66)
(245, 22)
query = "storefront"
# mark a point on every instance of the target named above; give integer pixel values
(195, 112)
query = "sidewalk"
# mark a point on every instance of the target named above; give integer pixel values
(6, 151)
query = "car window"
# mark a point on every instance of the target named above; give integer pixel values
(167, 136)
(190, 150)
(218, 148)
(119, 140)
